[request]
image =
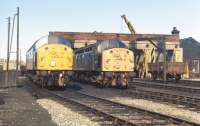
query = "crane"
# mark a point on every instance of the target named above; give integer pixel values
(132, 30)
(141, 67)
(130, 27)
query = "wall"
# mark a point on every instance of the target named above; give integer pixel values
(8, 78)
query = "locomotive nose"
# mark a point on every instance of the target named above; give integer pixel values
(53, 63)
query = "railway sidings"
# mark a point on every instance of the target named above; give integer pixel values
(91, 78)
(171, 93)
(117, 113)
(183, 86)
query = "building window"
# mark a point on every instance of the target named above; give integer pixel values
(196, 66)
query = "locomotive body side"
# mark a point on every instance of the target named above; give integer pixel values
(84, 60)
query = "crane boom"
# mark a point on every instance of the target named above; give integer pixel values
(132, 30)
(130, 27)
(142, 60)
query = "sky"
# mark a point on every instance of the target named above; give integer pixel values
(38, 17)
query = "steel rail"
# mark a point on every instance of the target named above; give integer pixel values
(169, 86)
(152, 118)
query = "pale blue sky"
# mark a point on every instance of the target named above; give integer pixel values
(37, 17)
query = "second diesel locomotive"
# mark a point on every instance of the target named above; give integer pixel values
(49, 61)
(107, 63)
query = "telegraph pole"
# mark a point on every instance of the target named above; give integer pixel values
(17, 51)
(8, 46)
(20, 60)
(13, 26)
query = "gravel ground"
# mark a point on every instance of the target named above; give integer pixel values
(63, 113)
(21, 109)
(63, 116)
(117, 95)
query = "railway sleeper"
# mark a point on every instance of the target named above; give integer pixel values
(171, 98)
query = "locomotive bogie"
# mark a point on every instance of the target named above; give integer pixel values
(103, 79)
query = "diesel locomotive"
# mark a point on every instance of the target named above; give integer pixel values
(49, 61)
(106, 63)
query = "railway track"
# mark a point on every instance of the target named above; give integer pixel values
(168, 86)
(174, 97)
(189, 102)
(115, 113)
(189, 83)
(178, 99)
(120, 114)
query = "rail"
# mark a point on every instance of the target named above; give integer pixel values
(123, 114)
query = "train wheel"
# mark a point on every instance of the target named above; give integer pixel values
(44, 81)
(114, 82)
(82, 78)
(109, 82)
(100, 84)
(39, 82)
(177, 77)
(61, 81)
(92, 79)
(154, 75)
(78, 78)
(50, 82)
(123, 80)
(125, 83)
(106, 81)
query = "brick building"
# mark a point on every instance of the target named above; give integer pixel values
(12, 64)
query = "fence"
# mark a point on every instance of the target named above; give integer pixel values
(8, 78)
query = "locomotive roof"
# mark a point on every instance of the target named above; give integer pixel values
(50, 39)
(102, 45)
(111, 44)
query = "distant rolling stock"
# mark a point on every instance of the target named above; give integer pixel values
(175, 67)
(173, 70)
